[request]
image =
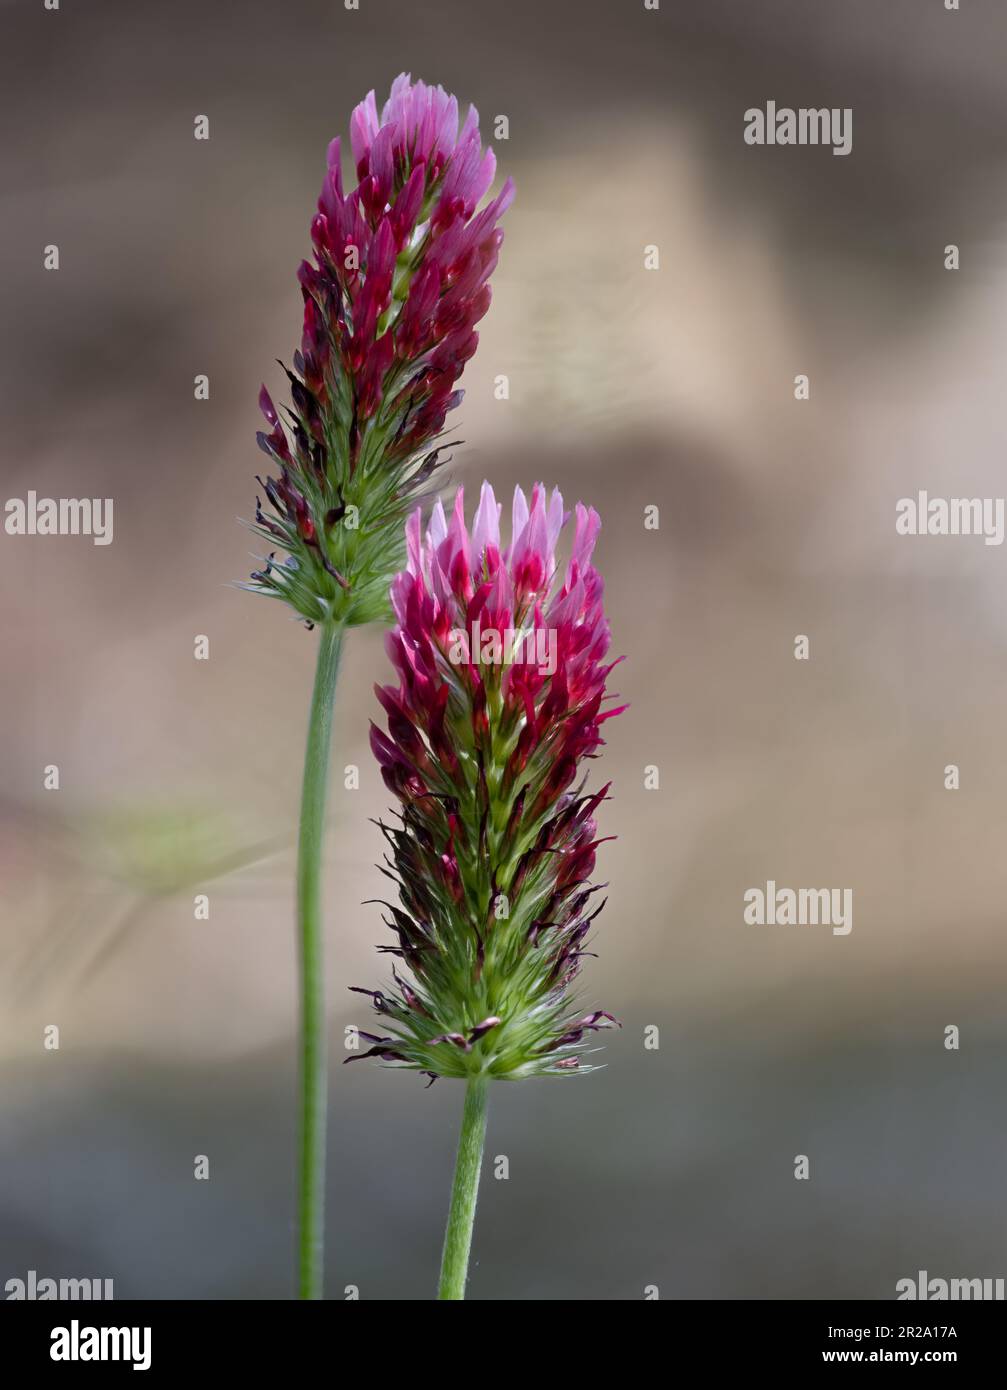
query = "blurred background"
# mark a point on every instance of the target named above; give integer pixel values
(628, 388)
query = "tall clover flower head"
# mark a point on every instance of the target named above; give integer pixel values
(399, 280)
(502, 663)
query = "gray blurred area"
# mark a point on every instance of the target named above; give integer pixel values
(629, 388)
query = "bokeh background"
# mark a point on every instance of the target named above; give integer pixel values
(629, 388)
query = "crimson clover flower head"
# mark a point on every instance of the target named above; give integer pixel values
(502, 663)
(399, 280)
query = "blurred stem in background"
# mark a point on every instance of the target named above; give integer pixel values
(465, 1191)
(314, 1039)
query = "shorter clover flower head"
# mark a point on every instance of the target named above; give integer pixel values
(399, 280)
(502, 668)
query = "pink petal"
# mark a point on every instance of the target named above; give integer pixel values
(486, 525)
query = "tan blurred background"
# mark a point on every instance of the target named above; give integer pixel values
(628, 388)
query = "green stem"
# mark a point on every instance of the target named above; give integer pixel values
(314, 1035)
(458, 1236)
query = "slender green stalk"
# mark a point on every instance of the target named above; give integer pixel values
(314, 1036)
(464, 1193)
